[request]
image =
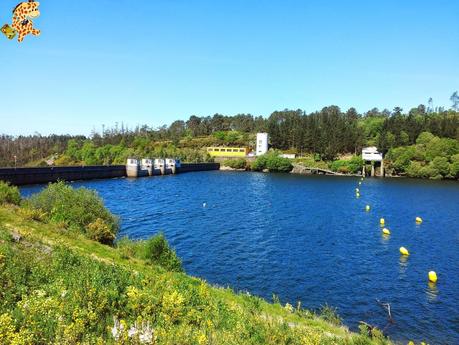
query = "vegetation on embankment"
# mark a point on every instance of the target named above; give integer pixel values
(9, 194)
(274, 163)
(78, 210)
(431, 157)
(349, 164)
(60, 287)
(270, 161)
(237, 164)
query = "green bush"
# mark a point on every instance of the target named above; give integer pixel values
(155, 250)
(344, 169)
(429, 171)
(338, 164)
(414, 169)
(442, 165)
(77, 208)
(454, 166)
(441, 147)
(9, 194)
(353, 165)
(240, 163)
(260, 163)
(158, 251)
(272, 162)
(424, 138)
(401, 157)
(279, 164)
(454, 170)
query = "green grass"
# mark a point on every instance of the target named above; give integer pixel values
(61, 287)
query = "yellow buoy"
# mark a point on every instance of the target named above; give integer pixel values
(360, 183)
(357, 190)
(404, 251)
(432, 276)
(386, 231)
(382, 221)
(357, 195)
(418, 220)
(367, 208)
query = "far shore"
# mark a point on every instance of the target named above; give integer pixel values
(308, 172)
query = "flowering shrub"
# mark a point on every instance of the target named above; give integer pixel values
(31, 214)
(99, 231)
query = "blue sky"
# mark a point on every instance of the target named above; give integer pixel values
(152, 62)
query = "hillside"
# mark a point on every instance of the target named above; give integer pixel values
(60, 287)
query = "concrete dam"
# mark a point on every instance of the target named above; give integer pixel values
(25, 176)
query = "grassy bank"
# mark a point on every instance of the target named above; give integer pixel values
(61, 287)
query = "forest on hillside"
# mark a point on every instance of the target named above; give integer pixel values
(326, 134)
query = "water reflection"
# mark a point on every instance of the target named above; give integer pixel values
(432, 292)
(403, 265)
(385, 240)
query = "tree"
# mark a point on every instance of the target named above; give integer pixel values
(430, 108)
(455, 99)
(177, 130)
(397, 111)
(193, 124)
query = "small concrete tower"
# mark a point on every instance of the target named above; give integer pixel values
(262, 143)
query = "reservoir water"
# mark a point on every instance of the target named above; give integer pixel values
(309, 239)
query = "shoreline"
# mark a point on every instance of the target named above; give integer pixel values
(305, 172)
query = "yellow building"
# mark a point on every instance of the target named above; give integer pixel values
(227, 151)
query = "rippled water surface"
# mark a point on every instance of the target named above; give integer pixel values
(309, 239)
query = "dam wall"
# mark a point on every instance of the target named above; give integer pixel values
(25, 176)
(190, 167)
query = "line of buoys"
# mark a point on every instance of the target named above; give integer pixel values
(432, 275)
(404, 251)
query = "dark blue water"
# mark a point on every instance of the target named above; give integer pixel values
(309, 239)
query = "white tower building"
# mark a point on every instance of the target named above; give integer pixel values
(262, 143)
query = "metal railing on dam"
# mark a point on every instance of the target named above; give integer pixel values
(25, 176)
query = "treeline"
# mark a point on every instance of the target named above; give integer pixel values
(328, 133)
(430, 157)
(331, 132)
(28, 149)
